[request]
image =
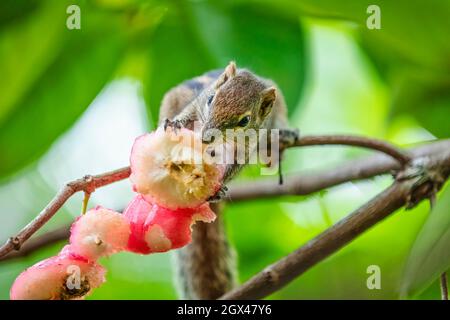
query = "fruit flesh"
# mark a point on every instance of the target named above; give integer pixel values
(158, 229)
(99, 232)
(173, 185)
(170, 169)
(63, 277)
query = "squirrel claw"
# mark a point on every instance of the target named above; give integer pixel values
(289, 137)
(220, 194)
(174, 124)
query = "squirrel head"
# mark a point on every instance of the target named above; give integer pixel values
(237, 100)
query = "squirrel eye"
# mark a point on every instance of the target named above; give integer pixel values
(210, 99)
(244, 121)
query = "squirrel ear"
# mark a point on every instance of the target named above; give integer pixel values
(229, 72)
(268, 97)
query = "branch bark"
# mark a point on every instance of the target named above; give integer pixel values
(288, 268)
(301, 184)
(87, 184)
(443, 277)
(279, 274)
(444, 286)
(48, 238)
(357, 141)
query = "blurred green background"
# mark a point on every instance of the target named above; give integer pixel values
(72, 102)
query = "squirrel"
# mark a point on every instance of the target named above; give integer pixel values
(223, 99)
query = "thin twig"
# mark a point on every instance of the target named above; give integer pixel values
(443, 276)
(301, 184)
(288, 268)
(307, 183)
(363, 142)
(84, 204)
(87, 184)
(39, 242)
(444, 287)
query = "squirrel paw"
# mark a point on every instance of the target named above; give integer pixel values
(289, 137)
(220, 195)
(174, 124)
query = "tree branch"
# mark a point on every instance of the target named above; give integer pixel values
(87, 184)
(444, 287)
(443, 276)
(357, 141)
(288, 268)
(48, 238)
(303, 184)
(414, 188)
(300, 184)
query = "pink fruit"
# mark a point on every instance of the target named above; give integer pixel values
(137, 213)
(63, 277)
(170, 169)
(158, 229)
(100, 232)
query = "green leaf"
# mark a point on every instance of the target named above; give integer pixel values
(414, 31)
(176, 54)
(86, 61)
(410, 51)
(13, 11)
(259, 37)
(25, 53)
(199, 36)
(426, 98)
(430, 254)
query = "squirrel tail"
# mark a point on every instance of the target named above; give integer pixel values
(206, 268)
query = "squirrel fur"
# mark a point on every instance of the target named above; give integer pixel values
(220, 99)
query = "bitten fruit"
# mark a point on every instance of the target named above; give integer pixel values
(158, 229)
(99, 232)
(169, 168)
(66, 276)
